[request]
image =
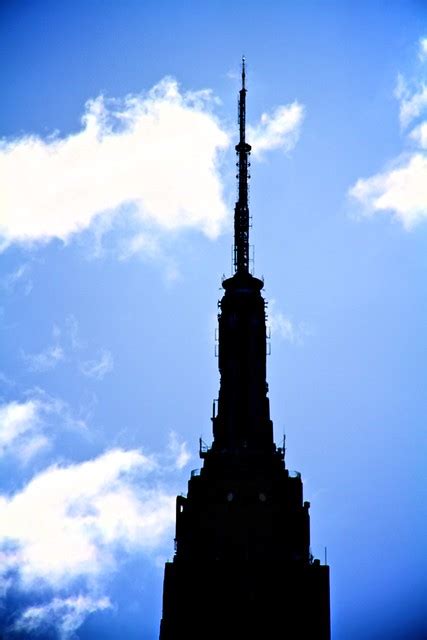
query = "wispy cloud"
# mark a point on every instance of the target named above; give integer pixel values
(44, 360)
(178, 451)
(422, 53)
(26, 426)
(28, 448)
(282, 326)
(412, 100)
(99, 367)
(64, 614)
(5, 380)
(155, 154)
(67, 346)
(72, 332)
(402, 187)
(18, 419)
(278, 130)
(20, 277)
(148, 245)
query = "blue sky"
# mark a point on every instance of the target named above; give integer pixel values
(117, 183)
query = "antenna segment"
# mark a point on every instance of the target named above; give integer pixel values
(241, 209)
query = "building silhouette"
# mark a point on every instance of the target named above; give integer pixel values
(242, 566)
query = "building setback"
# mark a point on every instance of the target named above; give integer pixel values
(242, 566)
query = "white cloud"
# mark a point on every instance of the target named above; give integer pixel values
(156, 154)
(68, 520)
(401, 188)
(66, 614)
(283, 327)
(278, 130)
(98, 368)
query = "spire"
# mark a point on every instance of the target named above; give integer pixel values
(241, 210)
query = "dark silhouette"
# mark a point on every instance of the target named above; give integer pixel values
(242, 566)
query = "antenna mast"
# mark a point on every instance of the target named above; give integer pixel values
(241, 209)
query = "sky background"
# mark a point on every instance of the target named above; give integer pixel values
(117, 184)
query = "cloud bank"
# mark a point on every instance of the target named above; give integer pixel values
(62, 524)
(64, 532)
(402, 188)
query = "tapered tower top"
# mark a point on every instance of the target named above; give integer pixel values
(241, 210)
(242, 566)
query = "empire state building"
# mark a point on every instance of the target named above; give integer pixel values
(242, 566)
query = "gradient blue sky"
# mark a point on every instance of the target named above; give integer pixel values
(115, 231)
